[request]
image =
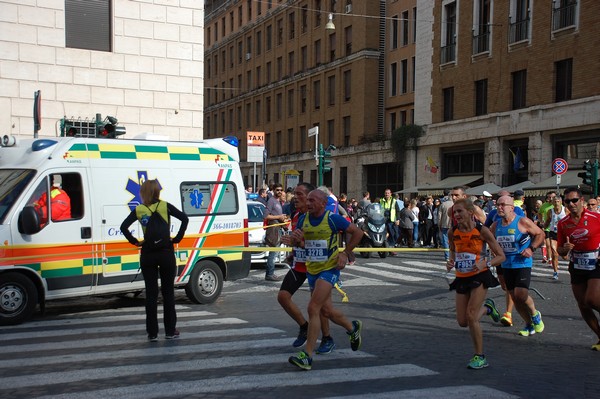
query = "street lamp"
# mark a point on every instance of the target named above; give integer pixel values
(330, 25)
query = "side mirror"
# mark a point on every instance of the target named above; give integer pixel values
(29, 221)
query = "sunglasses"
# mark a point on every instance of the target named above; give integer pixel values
(592, 204)
(572, 200)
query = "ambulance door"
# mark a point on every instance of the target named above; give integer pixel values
(120, 262)
(62, 251)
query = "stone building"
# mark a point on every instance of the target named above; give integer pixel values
(138, 61)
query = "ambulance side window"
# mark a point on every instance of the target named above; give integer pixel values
(39, 200)
(209, 198)
(60, 196)
(74, 189)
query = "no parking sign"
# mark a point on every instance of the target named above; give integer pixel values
(559, 166)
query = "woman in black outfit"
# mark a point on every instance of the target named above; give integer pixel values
(155, 261)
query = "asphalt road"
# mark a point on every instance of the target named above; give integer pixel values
(238, 346)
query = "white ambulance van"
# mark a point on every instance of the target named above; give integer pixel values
(43, 258)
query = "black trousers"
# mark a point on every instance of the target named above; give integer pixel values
(154, 264)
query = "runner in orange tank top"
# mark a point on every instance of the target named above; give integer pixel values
(468, 241)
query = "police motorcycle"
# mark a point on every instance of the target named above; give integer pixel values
(371, 221)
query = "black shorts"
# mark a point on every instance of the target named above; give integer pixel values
(520, 277)
(582, 276)
(463, 285)
(547, 233)
(499, 270)
(553, 235)
(292, 281)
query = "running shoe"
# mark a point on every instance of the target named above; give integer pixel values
(527, 330)
(555, 276)
(506, 319)
(355, 339)
(491, 309)
(478, 362)
(596, 346)
(538, 324)
(173, 336)
(153, 338)
(301, 360)
(301, 338)
(544, 260)
(327, 346)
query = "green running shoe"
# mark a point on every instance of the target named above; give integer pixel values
(355, 339)
(301, 360)
(478, 362)
(492, 311)
(538, 324)
(527, 330)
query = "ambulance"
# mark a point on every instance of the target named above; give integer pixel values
(44, 258)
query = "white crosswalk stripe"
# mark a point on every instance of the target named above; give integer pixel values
(386, 272)
(117, 362)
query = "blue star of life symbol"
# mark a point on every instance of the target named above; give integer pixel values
(196, 197)
(133, 187)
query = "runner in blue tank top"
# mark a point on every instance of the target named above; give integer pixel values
(519, 237)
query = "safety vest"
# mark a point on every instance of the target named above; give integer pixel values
(389, 208)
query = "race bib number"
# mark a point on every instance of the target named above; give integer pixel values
(507, 243)
(585, 260)
(316, 250)
(299, 254)
(464, 262)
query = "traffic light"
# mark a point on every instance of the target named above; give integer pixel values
(108, 127)
(589, 176)
(586, 175)
(324, 161)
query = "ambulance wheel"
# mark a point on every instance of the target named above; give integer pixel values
(206, 283)
(18, 298)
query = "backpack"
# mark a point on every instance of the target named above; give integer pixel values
(157, 234)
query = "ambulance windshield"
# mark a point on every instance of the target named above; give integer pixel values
(12, 185)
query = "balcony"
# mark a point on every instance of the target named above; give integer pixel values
(448, 53)
(564, 17)
(519, 31)
(481, 42)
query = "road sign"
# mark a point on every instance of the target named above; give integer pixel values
(559, 166)
(313, 131)
(256, 145)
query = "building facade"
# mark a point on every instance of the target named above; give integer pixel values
(138, 61)
(275, 67)
(514, 85)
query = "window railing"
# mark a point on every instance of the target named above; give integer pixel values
(448, 53)
(519, 31)
(563, 17)
(481, 42)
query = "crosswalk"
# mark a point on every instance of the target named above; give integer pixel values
(388, 272)
(103, 354)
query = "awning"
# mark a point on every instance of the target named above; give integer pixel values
(410, 190)
(450, 182)
(519, 186)
(489, 187)
(568, 179)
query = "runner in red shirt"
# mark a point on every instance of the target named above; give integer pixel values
(579, 237)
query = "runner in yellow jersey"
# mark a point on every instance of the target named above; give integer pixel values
(319, 232)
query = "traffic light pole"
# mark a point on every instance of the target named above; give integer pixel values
(595, 178)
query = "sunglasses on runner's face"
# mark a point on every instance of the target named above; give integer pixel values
(573, 200)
